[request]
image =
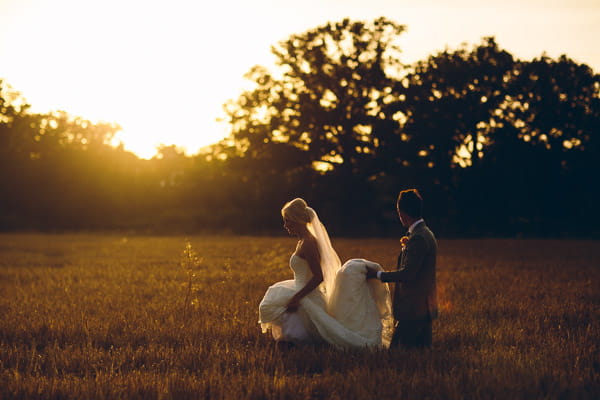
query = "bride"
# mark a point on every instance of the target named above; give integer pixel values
(325, 302)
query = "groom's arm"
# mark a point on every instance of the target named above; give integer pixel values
(416, 249)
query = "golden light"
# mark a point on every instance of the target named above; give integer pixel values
(162, 69)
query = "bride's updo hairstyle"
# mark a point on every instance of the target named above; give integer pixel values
(298, 211)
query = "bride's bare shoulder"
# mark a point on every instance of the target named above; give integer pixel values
(309, 248)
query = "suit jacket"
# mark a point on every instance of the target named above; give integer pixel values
(415, 296)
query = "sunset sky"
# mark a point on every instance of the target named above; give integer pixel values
(163, 69)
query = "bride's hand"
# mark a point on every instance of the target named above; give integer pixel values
(292, 305)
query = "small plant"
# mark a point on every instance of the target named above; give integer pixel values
(190, 263)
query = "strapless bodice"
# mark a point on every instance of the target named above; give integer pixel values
(301, 269)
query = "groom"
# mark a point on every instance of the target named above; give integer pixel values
(414, 303)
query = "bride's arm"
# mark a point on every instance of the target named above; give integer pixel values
(311, 255)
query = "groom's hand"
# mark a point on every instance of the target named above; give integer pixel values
(371, 273)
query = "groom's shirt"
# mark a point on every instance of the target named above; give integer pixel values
(412, 227)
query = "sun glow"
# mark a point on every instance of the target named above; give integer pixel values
(161, 70)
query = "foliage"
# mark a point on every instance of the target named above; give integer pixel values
(474, 129)
(497, 146)
(99, 316)
(329, 98)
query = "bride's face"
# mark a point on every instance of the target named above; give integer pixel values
(293, 227)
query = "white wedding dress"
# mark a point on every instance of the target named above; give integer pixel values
(356, 313)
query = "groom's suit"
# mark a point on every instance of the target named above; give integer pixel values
(415, 299)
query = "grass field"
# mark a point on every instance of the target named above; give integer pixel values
(106, 316)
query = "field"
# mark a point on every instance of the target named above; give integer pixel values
(107, 316)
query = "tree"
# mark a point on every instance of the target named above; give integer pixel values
(327, 102)
(469, 127)
(446, 114)
(326, 109)
(498, 139)
(546, 146)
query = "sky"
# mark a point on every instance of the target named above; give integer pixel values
(163, 69)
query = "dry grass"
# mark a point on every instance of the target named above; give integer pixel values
(102, 316)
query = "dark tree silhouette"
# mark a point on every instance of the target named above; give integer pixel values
(326, 109)
(473, 128)
(547, 130)
(447, 112)
(335, 80)
(497, 145)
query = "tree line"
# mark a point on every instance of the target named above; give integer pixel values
(497, 146)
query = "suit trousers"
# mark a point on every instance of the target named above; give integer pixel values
(412, 334)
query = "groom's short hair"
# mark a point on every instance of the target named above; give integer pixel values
(410, 202)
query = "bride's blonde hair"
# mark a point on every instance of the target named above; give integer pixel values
(297, 210)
